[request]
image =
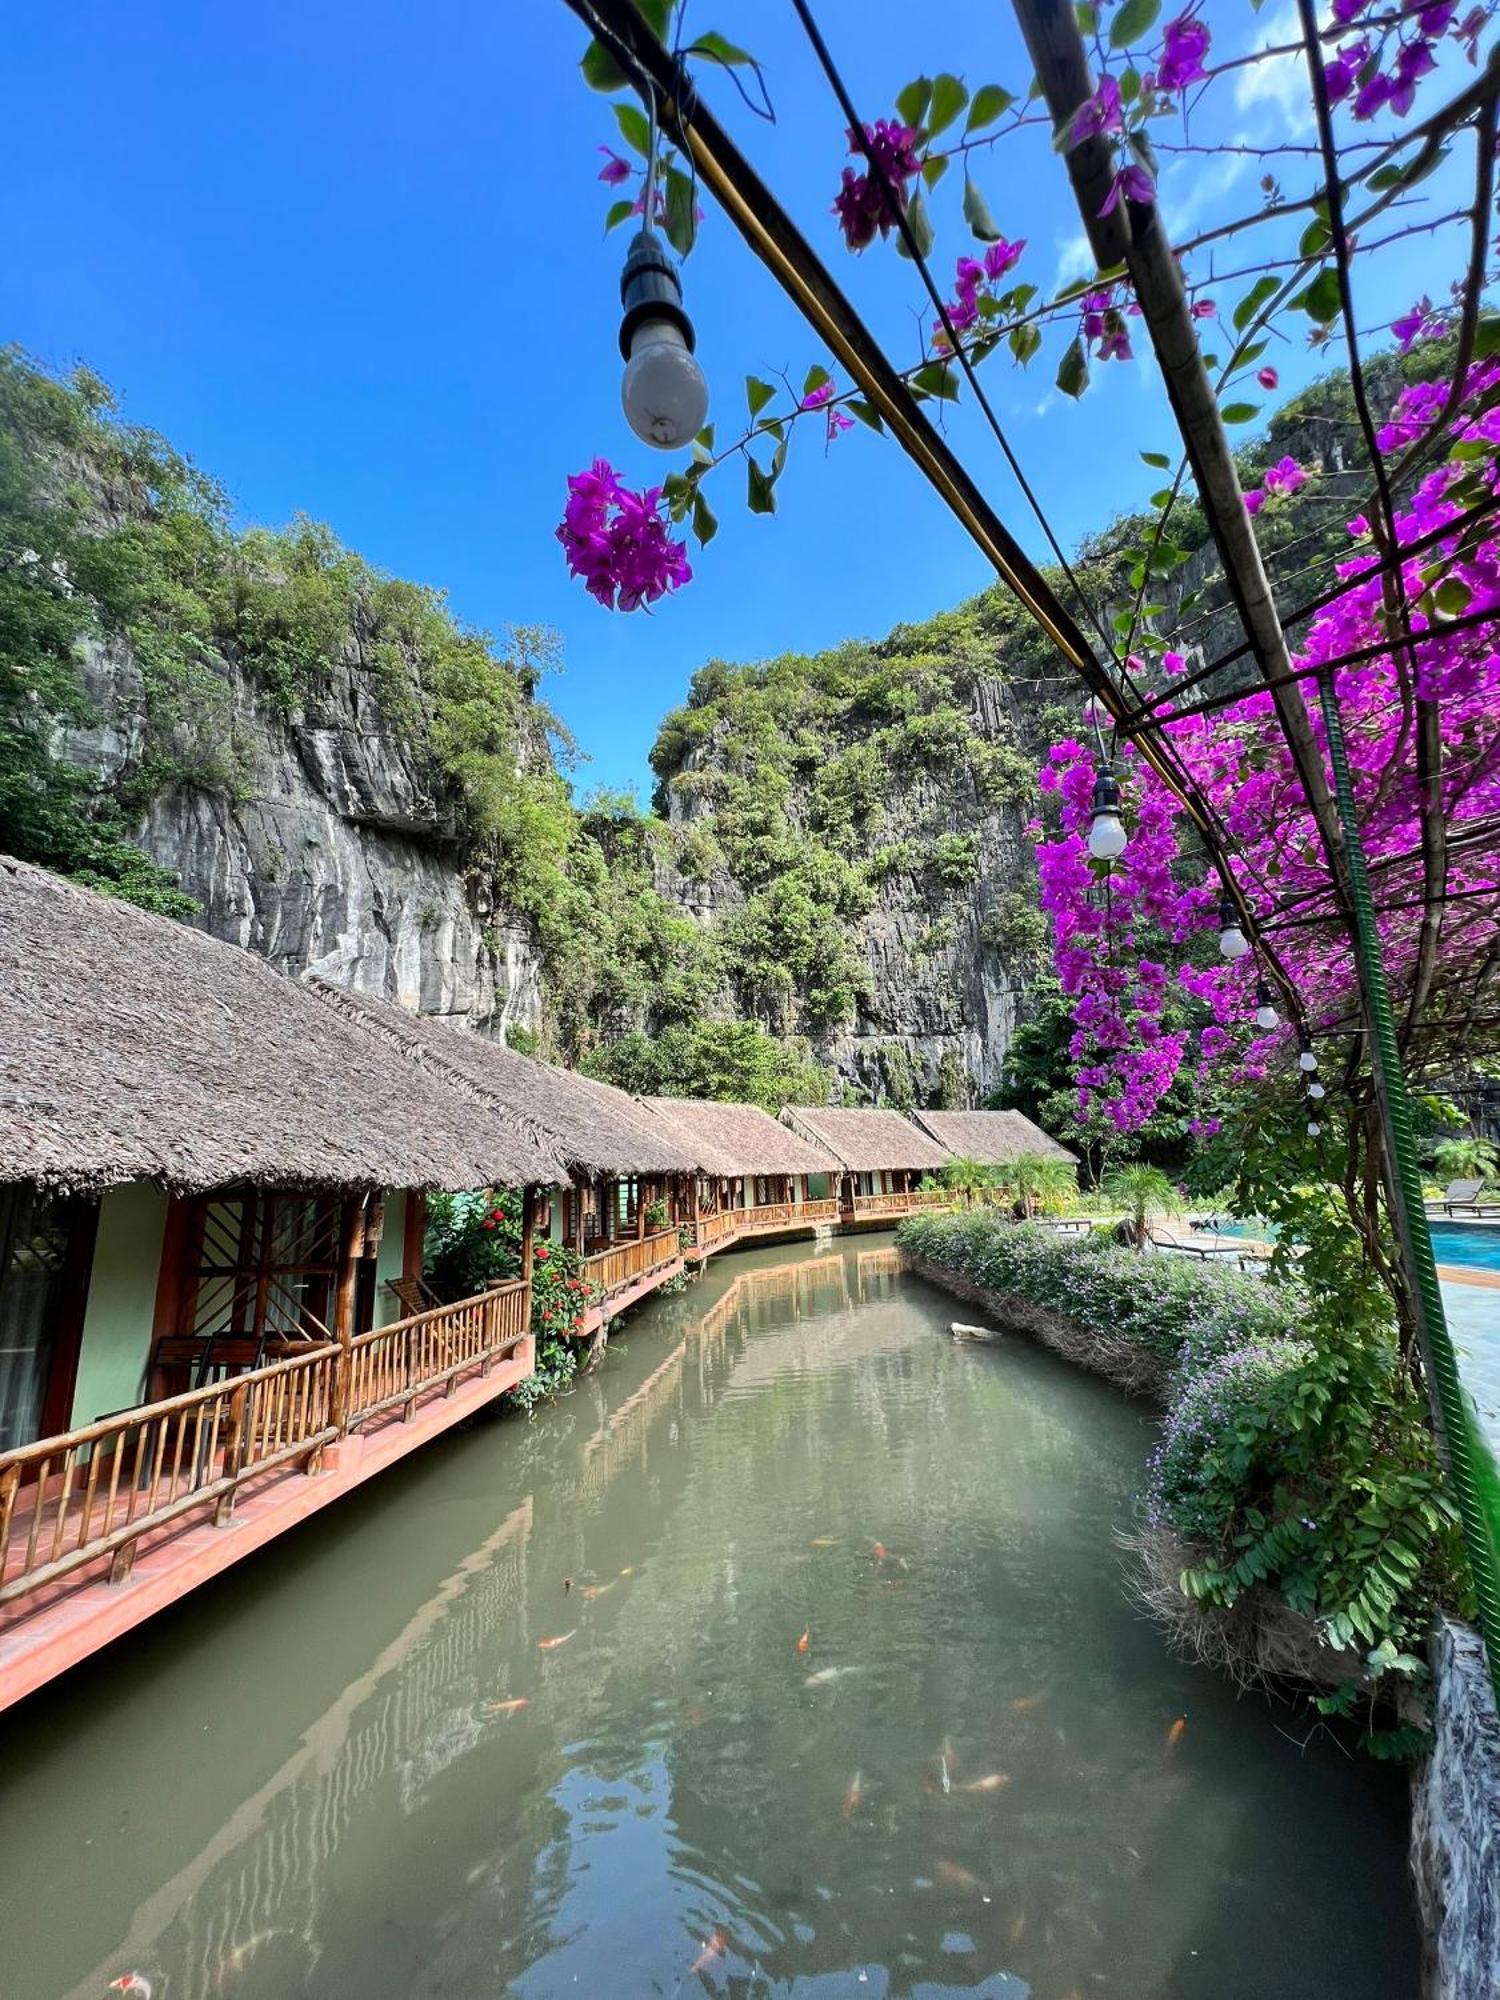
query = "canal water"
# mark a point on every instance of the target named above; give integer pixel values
(529, 1716)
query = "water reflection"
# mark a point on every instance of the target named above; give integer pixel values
(357, 1769)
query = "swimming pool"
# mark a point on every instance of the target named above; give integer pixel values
(1471, 1246)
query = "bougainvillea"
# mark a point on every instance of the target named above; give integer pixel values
(617, 541)
(1127, 933)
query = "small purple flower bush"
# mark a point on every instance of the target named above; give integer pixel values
(1293, 1455)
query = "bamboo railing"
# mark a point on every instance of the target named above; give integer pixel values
(92, 1493)
(613, 1269)
(395, 1364)
(711, 1229)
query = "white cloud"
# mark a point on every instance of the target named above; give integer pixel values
(1074, 259)
(1278, 84)
(1190, 188)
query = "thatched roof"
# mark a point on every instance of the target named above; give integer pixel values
(589, 1127)
(744, 1139)
(866, 1141)
(994, 1138)
(135, 1048)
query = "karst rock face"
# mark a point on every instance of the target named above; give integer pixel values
(328, 849)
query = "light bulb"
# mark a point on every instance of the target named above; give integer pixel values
(1232, 942)
(1316, 1091)
(1266, 1015)
(664, 392)
(1307, 1060)
(1313, 1129)
(1107, 839)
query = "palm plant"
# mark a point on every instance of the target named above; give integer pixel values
(1464, 1159)
(1142, 1192)
(968, 1178)
(1042, 1184)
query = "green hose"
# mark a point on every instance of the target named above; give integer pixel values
(1471, 1464)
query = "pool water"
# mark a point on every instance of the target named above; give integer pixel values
(1471, 1245)
(534, 1715)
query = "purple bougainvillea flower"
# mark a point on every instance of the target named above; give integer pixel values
(1254, 500)
(1374, 95)
(1342, 73)
(614, 169)
(1285, 476)
(1097, 114)
(1186, 43)
(1267, 378)
(1135, 184)
(1345, 11)
(1204, 309)
(1418, 324)
(816, 398)
(617, 541)
(1415, 61)
(838, 421)
(864, 204)
(1002, 257)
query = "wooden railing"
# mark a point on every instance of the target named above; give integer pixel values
(395, 1364)
(819, 1211)
(711, 1229)
(77, 1498)
(611, 1270)
(885, 1204)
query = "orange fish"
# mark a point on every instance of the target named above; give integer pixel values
(852, 1796)
(880, 1552)
(956, 1876)
(1178, 1730)
(712, 1950)
(993, 1783)
(507, 1707)
(803, 1642)
(593, 1590)
(549, 1645)
(1025, 1703)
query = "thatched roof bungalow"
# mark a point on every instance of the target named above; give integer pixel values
(589, 1127)
(866, 1142)
(133, 1048)
(994, 1138)
(740, 1141)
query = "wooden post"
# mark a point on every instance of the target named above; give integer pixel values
(414, 1236)
(234, 1455)
(343, 1314)
(641, 1190)
(528, 1220)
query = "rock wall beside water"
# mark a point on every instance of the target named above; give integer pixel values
(1455, 1836)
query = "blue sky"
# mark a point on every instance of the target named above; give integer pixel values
(350, 259)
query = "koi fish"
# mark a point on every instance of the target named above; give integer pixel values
(1178, 1730)
(236, 1960)
(851, 1797)
(1025, 1703)
(507, 1707)
(132, 1982)
(593, 1590)
(944, 1779)
(713, 1949)
(629, 1570)
(956, 1876)
(803, 1642)
(880, 1552)
(548, 1645)
(995, 1782)
(824, 1542)
(826, 1674)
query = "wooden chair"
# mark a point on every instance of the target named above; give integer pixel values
(1464, 1195)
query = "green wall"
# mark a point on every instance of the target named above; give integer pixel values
(388, 1259)
(121, 1302)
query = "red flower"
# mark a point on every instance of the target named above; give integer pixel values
(489, 1222)
(543, 1253)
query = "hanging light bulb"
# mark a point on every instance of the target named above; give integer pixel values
(1316, 1092)
(1313, 1128)
(1266, 1015)
(1232, 940)
(1107, 836)
(1307, 1061)
(664, 393)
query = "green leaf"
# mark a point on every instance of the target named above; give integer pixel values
(949, 97)
(988, 103)
(705, 521)
(913, 100)
(634, 128)
(618, 212)
(1321, 299)
(656, 14)
(1135, 18)
(1130, 84)
(936, 379)
(858, 408)
(1452, 598)
(1487, 337)
(1087, 17)
(1239, 413)
(715, 46)
(757, 394)
(920, 223)
(1251, 303)
(761, 496)
(1315, 239)
(814, 379)
(1163, 497)
(1024, 342)
(1073, 371)
(1157, 458)
(934, 167)
(977, 212)
(680, 223)
(600, 70)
